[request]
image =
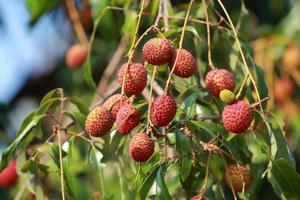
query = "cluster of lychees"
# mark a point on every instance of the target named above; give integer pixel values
(237, 115)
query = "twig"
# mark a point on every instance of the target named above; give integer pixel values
(210, 63)
(58, 132)
(180, 45)
(165, 15)
(202, 190)
(74, 16)
(150, 98)
(226, 169)
(242, 86)
(260, 102)
(211, 117)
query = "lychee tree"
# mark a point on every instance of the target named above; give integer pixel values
(159, 129)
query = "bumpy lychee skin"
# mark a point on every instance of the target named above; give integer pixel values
(238, 177)
(157, 51)
(186, 64)
(163, 110)
(99, 122)
(141, 147)
(9, 176)
(136, 78)
(113, 104)
(237, 117)
(217, 80)
(76, 55)
(227, 96)
(127, 118)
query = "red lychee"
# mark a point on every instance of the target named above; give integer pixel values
(113, 104)
(185, 65)
(283, 89)
(99, 122)
(217, 80)
(141, 147)
(157, 51)
(163, 110)
(238, 177)
(136, 78)
(198, 197)
(237, 117)
(76, 55)
(127, 118)
(9, 176)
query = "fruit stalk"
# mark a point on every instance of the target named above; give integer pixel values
(150, 99)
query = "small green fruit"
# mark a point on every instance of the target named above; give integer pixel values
(227, 96)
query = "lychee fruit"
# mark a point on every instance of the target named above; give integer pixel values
(186, 64)
(157, 51)
(141, 147)
(237, 117)
(127, 118)
(99, 122)
(163, 110)
(227, 97)
(9, 176)
(238, 177)
(283, 89)
(113, 104)
(76, 55)
(198, 197)
(135, 79)
(217, 80)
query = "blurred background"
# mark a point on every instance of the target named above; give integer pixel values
(33, 46)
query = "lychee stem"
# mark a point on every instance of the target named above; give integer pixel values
(254, 105)
(150, 98)
(210, 63)
(242, 86)
(180, 46)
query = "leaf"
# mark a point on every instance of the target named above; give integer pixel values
(287, 178)
(261, 84)
(87, 74)
(69, 179)
(38, 8)
(182, 144)
(160, 180)
(39, 193)
(189, 105)
(185, 168)
(148, 182)
(58, 92)
(78, 117)
(95, 159)
(27, 125)
(80, 105)
(130, 23)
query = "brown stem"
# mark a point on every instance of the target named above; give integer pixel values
(260, 102)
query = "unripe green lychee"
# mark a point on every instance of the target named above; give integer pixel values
(141, 147)
(217, 80)
(99, 122)
(163, 110)
(227, 96)
(113, 104)
(157, 51)
(76, 55)
(9, 176)
(127, 118)
(186, 64)
(237, 177)
(237, 117)
(136, 78)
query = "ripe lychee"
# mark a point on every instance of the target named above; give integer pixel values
(185, 65)
(127, 118)
(113, 104)
(9, 176)
(283, 89)
(227, 96)
(141, 147)
(135, 79)
(99, 122)
(237, 117)
(237, 177)
(76, 55)
(157, 51)
(163, 110)
(198, 197)
(217, 80)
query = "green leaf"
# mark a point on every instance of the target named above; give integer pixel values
(160, 180)
(185, 168)
(58, 92)
(27, 125)
(87, 74)
(148, 182)
(95, 159)
(286, 178)
(189, 105)
(39, 193)
(39, 8)
(69, 179)
(261, 84)
(78, 117)
(130, 23)
(182, 144)
(80, 105)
